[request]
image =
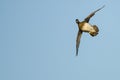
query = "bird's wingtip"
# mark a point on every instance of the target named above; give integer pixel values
(77, 52)
(103, 6)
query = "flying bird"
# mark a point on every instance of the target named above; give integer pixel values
(85, 26)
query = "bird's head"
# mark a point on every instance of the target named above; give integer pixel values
(77, 21)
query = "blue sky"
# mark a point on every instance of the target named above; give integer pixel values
(38, 40)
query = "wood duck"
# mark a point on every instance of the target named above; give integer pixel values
(85, 26)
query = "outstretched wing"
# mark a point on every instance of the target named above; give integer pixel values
(92, 14)
(78, 41)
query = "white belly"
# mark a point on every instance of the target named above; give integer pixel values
(87, 28)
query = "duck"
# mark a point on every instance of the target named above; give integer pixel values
(85, 26)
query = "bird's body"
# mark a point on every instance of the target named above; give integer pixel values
(85, 26)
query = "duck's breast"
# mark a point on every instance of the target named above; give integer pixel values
(87, 27)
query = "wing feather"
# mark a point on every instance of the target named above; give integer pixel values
(92, 14)
(78, 41)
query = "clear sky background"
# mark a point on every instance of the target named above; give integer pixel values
(38, 40)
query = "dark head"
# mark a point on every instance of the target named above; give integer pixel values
(96, 31)
(77, 21)
(96, 28)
